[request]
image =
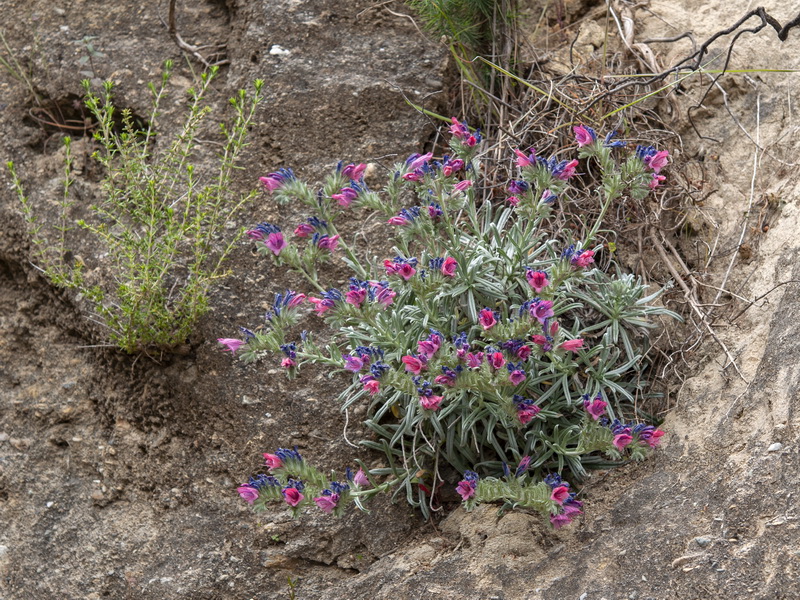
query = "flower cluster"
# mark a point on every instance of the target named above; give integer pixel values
(486, 340)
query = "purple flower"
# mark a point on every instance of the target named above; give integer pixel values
(474, 360)
(353, 363)
(231, 344)
(328, 242)
(248, 493)
(517, 376)
(548, 197)
(451, 167)
(303, 230)
(584, 135)
(542, 310)
(356, 297)
(656, 181)
(524, 463)
(459, 130)
(518, 186)
(558, 521)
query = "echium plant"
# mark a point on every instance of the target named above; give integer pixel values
(485, 340)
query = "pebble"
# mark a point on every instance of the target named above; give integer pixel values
(702, 541)
(276, 50)
(776, 447)
(3, 551)
(68, 385)
(3, 437)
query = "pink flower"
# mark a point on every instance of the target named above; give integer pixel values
(275, 242)
(560, 494)
(398, 220)
(449, 267)
(406, 271)
(516, 377)
(304, 230)
(321, 306)
(474, 360)
(523, 352)
(420, 160)
(527, 413)
(352, 171)
(572, 345)
(497, 360)
(231, 344)
(430, 346)
(539, 340)
(525, 160)
(273, 461)
(542, 310)
(452, 167)
(414, 365)
(656, 181)
(584, 135)
(459, 130)
(248, 493)
(486, 319)
(345, 196)
(391, 268)
(288, 363)
(465, 489)
(360, 478)
(431, 402)
(569, 170)
(328, 242)
(462, 185)
(655, 438)
(470, 141)
(595, 408)
(356, 297)
(537, 280)
(584, 259)
(622, 440)
(372, 386)
(548, 197)
(414, 175)
(657, 161)
(554, 328)
(512, 200)
(384, 295)
(326, 503)
(292, 496)
(296, 301)
(353, 363)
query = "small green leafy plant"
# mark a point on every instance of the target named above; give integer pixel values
(160, 221)
(489, 340)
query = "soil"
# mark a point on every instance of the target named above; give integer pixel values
(118, 474)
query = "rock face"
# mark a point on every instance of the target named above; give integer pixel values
(117, 477)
